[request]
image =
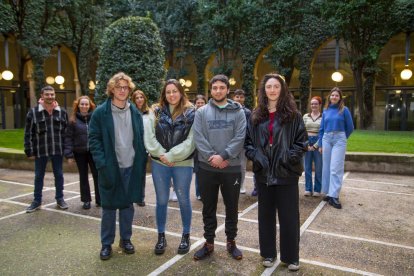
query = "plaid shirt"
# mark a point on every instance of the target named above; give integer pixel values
(44, 134)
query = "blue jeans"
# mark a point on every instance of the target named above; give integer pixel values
(126, 216)
(310, 157)
(181, 176)
(40, 169)
(333, 152)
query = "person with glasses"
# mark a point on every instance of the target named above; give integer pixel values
(169, 140)
(312, 122)
(276, 141)
(117, 146)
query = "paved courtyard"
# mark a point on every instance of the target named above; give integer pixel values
(372, 235)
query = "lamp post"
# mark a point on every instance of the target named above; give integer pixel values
(7, 74)
(406, 74)
(59, 79)
(337, 76)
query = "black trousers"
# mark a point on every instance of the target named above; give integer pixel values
(82, 161)
(209, 184)
(283, 199)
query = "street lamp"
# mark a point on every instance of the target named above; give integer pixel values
(59, 79)
(337, 76)
(7, 74)
(232, 81)
(406, 74)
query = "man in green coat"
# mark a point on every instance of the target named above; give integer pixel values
(117, 147)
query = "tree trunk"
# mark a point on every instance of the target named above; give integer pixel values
(368, 90)
(359, 96)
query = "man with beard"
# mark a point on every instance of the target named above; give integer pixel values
(219, 132)
(43, 140)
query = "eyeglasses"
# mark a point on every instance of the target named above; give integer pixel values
(125, 88)
(314, 104)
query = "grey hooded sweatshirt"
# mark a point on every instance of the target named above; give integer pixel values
(220, 131)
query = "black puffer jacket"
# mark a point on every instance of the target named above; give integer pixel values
(170, 133)
(281, 163)
(76, 139)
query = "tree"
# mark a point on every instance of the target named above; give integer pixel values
(82, 22)
(31, 24)
(131, 45)
(365, 26)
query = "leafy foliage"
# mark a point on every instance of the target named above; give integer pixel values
(131, 45)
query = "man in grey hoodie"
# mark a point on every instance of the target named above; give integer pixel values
(219, 132)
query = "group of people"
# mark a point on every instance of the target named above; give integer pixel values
(211, 138)
(328, 133)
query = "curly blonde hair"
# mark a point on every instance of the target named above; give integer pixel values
(114, 82)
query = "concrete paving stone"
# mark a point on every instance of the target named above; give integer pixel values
(378, 216)
(219, 263)
(308, 269)
(54, 244)
(247, 235)
(365, 256)
(374, 185)
(8, 190)
(9, 209)
(27, 177)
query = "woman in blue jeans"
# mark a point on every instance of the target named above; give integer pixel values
(168, 137)
(336, 127)
(312, 122)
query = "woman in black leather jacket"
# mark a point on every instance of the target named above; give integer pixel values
(77, 147)
(276, 142)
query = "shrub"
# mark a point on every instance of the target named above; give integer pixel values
(131, 45)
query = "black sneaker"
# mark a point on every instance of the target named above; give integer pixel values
(233, 250)
(204, 252)
(33, 207)
(86, 205)
(62, 204)
(127, 246)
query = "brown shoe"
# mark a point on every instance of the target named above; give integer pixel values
(204, 252)
(233, 250)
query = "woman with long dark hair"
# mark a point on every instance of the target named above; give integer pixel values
(168, 137)
(276, 142)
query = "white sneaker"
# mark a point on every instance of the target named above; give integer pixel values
(293, 267)
(268, 262)
(173, 196)
(307, 193)
(199, 197)
(242, 190)
(316, 194)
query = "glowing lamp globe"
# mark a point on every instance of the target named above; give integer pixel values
(337, 77)
(91, 85)
(59, 79)
(7, 75)
(50, 80)
(406, 74)
(182, 82)
(188, 83)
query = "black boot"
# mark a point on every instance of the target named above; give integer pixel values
(184, 246)
(161, 244)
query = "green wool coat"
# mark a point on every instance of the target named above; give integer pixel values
(102, 147)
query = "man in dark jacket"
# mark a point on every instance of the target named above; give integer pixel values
(43, 140)
(117, 146)
(219, 131)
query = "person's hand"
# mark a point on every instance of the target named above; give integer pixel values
(215, 161)
(165, 161)
(71, 161)
(311, 148)
(32, 158)
(224, 164)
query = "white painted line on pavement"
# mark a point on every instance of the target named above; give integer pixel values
(360, 239)
(341, 268)
(13, 215)
(16, 183)
(379, 182)
(377, 191)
